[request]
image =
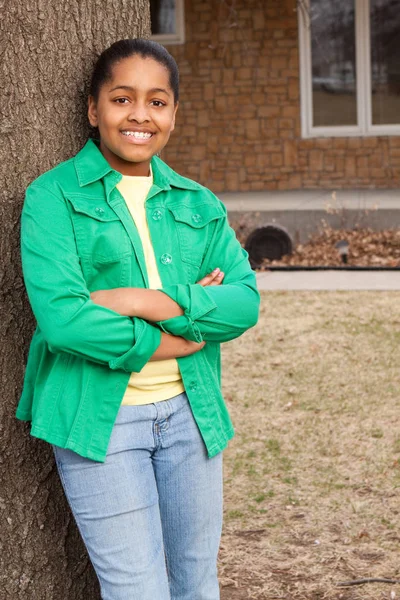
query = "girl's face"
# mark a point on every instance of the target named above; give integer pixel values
(135, 114)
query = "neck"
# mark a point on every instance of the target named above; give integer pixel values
(125, 167)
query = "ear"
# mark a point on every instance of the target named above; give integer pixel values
(92, 111)
(173, 118)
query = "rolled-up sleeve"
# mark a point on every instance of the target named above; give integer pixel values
(67, 317)
(223, 312)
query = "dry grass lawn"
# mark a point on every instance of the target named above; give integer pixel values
(312, 478)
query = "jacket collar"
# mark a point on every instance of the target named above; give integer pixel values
(90, 166)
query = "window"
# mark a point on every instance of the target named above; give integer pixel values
(350, 67)
(167, 21)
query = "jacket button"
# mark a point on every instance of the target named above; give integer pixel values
(99, 210)
(166, 259)
(193, 386)
(157, 215)
(196, 218)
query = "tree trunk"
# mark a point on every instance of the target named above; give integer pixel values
(47, 51)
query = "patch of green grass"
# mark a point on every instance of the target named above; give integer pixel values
(273, 446)
(338, 486)
(234, 514)
(237, 466)
(377, 433)
(252, 471)
(260, 498)
(290, 480)
(293, 500)
(285, 463)
(388, 523)
(263, 496)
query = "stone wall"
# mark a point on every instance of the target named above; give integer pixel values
(238, 126)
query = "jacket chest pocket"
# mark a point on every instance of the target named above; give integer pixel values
(103, 245)
(194, 226)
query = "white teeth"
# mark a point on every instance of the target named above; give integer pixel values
(140, 135)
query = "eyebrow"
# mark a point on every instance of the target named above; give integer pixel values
(131, 89)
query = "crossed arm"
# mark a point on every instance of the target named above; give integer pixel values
(153, 305)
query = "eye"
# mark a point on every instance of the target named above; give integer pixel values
(121, 100)
(157, 103)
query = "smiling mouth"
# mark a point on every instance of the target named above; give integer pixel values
(138, 135)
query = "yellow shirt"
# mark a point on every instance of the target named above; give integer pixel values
(161, 379)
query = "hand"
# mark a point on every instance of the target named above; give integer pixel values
(213, 278)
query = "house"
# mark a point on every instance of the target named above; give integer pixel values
(283, 96)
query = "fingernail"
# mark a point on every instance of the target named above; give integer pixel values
(220, 274)
(216, 270)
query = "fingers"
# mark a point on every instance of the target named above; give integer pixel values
(214, 278)
(196, 346)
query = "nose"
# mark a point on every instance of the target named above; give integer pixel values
(139, 113)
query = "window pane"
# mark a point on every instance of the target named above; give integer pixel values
(163, 16)
(333, 58)
(385, 61)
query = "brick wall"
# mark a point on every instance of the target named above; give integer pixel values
(238, 125)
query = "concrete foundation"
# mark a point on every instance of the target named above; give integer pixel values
(303, 213)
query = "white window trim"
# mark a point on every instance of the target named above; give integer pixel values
(363, 93)
(174, 38)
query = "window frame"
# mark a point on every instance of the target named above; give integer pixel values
(174, 38)
(365, 127)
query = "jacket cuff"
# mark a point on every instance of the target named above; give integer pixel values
(195, 302)
(147, 340)
(183, 326)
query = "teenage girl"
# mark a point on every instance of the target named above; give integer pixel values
(135, 278)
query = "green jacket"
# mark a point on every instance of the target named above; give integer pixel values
(77, 236)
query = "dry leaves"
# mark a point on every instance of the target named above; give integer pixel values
(367, 248)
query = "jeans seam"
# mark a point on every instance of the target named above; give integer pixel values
(75, 517)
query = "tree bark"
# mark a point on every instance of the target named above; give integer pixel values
(47, 51)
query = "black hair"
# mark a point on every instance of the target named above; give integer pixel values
(102, 70)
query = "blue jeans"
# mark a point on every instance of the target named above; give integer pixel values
(151, 515)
